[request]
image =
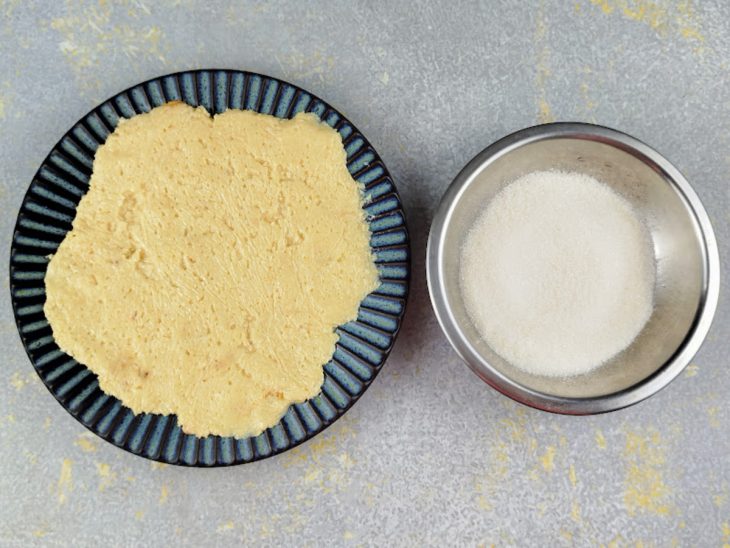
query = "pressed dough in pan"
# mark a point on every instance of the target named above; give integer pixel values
(209, 264)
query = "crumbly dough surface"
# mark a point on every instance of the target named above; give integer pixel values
(209, 263)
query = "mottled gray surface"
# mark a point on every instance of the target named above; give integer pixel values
(430, 454)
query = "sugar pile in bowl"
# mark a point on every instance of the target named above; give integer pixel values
(558, 273)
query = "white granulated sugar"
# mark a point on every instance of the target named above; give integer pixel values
(557, 273)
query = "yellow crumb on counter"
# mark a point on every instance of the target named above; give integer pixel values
(209, 264)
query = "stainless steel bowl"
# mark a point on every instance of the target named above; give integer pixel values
(688, 271)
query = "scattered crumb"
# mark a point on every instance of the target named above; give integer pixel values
(65, 481)
(345, 460)
(106, 477)
(89, 39)
(548, 459)
(575, 512)
(163, 494)
(645, 488)
(571, 475)
(311, 475)
(17, 381)
(86, 442)
(712, 413)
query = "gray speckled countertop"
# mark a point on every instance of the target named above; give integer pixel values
(430, 455)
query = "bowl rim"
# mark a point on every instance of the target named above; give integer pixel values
(513, 389)
(198, 459)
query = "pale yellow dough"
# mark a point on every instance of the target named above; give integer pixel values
(209, 263)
